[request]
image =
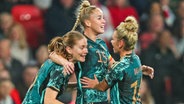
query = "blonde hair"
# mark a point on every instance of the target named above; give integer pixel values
(128, 32)
(59, 44)
(83, 13)
(21, 32)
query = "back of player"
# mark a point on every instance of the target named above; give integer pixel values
(126, 91)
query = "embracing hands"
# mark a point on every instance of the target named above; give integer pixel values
(147, 70)
(89, 83)
(68, 67)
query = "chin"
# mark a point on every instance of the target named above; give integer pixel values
(82, 60)
(101, 32)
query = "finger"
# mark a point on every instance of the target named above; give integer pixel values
(85, 87)
(144, 66)
(64, 72)
(68, 70)
(71, 67)
(95, 76)
(86, 78)
(152, 70)
(51, 53)
(85, 83)
(151, 75)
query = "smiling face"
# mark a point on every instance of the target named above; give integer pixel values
(96, 21)
(79, 50)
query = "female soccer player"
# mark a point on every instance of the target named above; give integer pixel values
(50, 81)
(98, 59)
(125, 77)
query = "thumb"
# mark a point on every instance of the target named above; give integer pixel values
(95, 77)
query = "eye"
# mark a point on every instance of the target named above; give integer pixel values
(82, 47)
(100, 17)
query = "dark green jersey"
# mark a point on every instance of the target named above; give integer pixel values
(97, 61)
(124, 79)
(49, 75)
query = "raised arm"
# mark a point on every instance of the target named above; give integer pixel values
(68, 66)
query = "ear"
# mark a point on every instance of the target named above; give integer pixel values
(121, 44)
(87, 23)
(69, 50)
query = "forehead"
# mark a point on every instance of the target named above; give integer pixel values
(114, 35)
(81, 42)
(97, 12)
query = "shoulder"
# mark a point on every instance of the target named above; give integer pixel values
(135, 56)
(121, 65)
(47, 63)
(58, 67)
(101, 42)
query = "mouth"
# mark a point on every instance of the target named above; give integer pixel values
(83, 56)
(102, 27)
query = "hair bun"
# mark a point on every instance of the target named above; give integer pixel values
(85, 4)
(131, 24)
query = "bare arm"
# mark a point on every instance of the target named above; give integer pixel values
(50, 97)
(93, 83)
(68, 66)
(102, 86)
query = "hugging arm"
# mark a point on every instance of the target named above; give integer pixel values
(102, 86)
(68, 66)
(94, 83)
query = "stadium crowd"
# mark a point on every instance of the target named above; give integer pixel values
(26, 27)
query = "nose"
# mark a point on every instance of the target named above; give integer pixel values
(85, 50)
(103, 21)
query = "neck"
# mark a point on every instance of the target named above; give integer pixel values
(124, 53)
(72, 60)
(91, 35)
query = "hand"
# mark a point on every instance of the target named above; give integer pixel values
(89, 83)
(147, 70)
(68, 67)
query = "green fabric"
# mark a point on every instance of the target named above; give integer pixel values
(49, 75)
(96, 63)
(125, 78)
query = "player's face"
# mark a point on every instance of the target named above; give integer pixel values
(97, 22)
(115, 42)
(79, 50)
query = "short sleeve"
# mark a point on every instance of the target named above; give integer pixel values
(57, 79)
(117, 73)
